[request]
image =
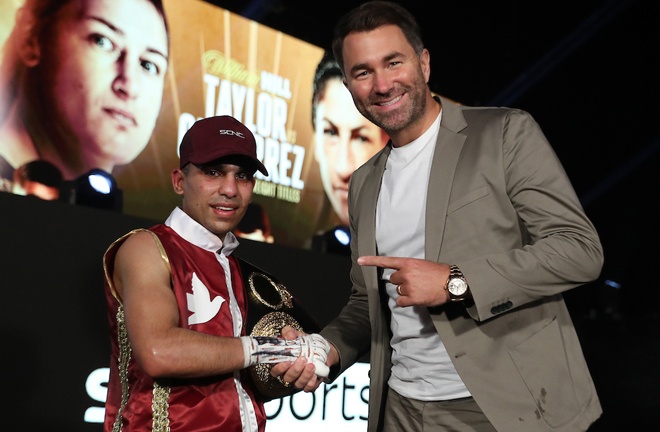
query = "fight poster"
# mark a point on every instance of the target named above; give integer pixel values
(218, 63)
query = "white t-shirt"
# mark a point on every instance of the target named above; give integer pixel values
(421, 367)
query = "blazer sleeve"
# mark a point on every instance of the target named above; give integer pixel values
(533, 238)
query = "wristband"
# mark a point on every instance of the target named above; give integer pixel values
(264, 349)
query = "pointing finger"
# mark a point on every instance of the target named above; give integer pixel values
(380, 261)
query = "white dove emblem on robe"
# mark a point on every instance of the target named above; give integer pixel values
(200, 303)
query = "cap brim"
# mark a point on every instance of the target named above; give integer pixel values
(241, 160)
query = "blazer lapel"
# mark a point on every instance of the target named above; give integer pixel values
(445, 158)
(367, 211)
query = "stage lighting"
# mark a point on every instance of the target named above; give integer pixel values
(96, 188)
(335, 240)
(342, 235)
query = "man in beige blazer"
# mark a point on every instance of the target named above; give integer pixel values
(465, 231)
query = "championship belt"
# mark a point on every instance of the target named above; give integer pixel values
(271, 307)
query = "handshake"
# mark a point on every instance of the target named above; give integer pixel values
(264, 349)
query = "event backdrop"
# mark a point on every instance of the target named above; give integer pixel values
(222, 63)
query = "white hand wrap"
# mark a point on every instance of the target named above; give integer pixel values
(263, 349)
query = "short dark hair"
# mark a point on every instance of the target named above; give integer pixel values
(372, 15)
(327, 69)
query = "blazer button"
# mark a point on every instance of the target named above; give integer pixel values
(501, 307)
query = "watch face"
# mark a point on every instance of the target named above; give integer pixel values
(457, 286)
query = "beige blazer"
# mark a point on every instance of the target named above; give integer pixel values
(501, 207)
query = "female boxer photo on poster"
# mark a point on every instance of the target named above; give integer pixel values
(81, 84)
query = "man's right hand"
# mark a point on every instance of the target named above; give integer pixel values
(301, 373)
(262, 349)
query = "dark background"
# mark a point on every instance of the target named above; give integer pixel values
(588, 72)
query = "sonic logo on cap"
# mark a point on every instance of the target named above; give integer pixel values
(231, 132)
